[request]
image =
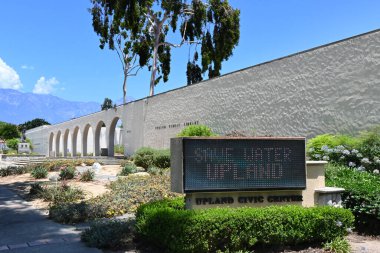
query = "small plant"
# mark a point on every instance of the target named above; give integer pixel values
(144, 157)
(39, 172)
(109, 234)
(35, 189)
(87, 175)
(119, 149)
(338, 245)
(128, 168)
(155, 171)
(161, 158)
(61, 194)
(196, 130)
(13, 170)
(67, 173)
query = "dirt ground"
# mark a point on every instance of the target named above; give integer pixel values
(21, 184)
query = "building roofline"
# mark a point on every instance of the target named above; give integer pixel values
(244, 69)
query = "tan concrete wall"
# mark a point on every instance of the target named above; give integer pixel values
(330, 89)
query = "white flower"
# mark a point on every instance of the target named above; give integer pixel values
(324, 148)
(361, 168)
(339, 223)
(346, 152)
(365, 160)
(341, 158)
(354, 151)
(351, 164)
(311, 150)
(349, 230)
(359, 155)
(340, 147)
(376, 171)
(317, 155)
(325, 158)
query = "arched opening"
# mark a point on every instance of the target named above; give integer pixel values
(77, 147)
(66, 143)
(100, 140)
(51, 139)
(87, 141)
(57, 144)
(115, 138)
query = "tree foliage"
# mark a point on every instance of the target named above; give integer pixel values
(107, 104)
(9, 131)
(32, 124)
(146, 26)
(116, 30)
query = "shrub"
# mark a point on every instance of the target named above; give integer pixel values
(67, 173)
(39, 172)
(358, 152)
(233, 229)
(13, 143)
(87, 175)
(128, 169)
(196, 130)
(119, 149)
(362, 195)
(69, 213)
(338, 245)
(125, 196)
(144, 157)
(370, 147)
(161, 158)
(13, 170)
(35, 189)
(58, 194)
(109, 234)
(55, 165)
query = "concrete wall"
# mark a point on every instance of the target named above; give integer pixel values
(330, 89)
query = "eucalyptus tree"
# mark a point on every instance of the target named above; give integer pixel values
(213, 26)
(118, 31)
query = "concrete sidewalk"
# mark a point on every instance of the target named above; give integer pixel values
(26, 229)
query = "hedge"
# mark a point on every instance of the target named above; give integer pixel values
(165, 224)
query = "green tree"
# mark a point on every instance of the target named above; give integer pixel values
(114, 29)
(13, 143)
(9, 131)
(32, 124)
(146, 25)
(107, 104)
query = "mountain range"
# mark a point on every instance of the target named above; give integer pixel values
(17, 107)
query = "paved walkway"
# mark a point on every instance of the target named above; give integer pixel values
(26, 229)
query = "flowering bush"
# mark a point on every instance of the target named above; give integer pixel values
(362, 153)
(362, 195)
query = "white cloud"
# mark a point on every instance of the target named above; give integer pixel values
(9, 79)
(45, 86)
(27, 67)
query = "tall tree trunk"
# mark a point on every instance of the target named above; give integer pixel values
(125, 83)
(154, 69)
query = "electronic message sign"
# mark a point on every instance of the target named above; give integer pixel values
(243, 164)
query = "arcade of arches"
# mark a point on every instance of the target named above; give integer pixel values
(92, 139)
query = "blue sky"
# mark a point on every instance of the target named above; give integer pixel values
(48, 46)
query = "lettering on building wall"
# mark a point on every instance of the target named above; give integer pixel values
(176, 125)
